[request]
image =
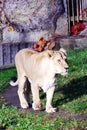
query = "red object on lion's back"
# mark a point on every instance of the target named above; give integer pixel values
(35, 45)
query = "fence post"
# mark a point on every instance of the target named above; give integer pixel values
(1, 55)
(6, 54)
(1, 37)
(68, 15)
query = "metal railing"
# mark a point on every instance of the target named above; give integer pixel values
(77, 11)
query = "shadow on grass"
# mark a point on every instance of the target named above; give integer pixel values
(75, 89)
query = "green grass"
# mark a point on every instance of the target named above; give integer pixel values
(5, 76)
(73, 88)
(70, 97)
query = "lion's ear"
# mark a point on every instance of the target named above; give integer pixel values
(63, 50)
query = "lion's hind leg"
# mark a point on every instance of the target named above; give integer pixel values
(21, 92)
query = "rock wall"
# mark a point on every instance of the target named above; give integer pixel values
(25, 20)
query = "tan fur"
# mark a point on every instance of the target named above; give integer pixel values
(40, 69)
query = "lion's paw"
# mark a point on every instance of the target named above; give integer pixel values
(37, 106)
(51, 110)
(24, 105)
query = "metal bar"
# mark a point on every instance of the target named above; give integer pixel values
(80, 10)
(83, 6)
(84, 12)
(73, 17)
(68, 13)
(77, 10)
(85, 2)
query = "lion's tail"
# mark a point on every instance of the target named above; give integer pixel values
(13, 81)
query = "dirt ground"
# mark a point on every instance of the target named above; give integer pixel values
(10, 96)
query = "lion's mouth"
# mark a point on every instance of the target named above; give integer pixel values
(64, 73)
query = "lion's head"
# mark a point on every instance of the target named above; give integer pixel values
(59, 61)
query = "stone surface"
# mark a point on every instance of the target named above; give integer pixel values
(14, 36)
(34, 15)
(62, 25)
(31, 19)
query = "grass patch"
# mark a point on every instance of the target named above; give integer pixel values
(70, 96)
(5, 76)
(13, 119)
(72, 89)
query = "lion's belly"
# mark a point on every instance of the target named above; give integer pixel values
(48, 83)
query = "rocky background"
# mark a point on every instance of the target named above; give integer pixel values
(26, 20)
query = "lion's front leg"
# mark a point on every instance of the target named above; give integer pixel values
(37, 105)
(21, 92)
(49, 96)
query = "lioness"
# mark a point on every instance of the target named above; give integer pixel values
(40, 69)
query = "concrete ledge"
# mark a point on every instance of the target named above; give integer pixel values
(72, 42)
(8, 50)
